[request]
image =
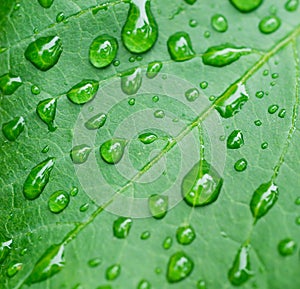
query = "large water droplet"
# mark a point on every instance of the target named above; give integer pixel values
(240, 271)
(5, 248)
(46, 3)
(263, 199)
(112, 150)
(58, 201)
(50, 263)
(83, 91)
(291, 5)
(80, 153)
(44, 52)
(131, 81)
(113, 272)
(103, 51)
(185, 235)
(180, 266)
(37, 179)
(140, 31)
(158, 205)
(14, 268)
(144, 284)
(232, 100)
(96, 121)
(224, 54)
(9, 83)
(46, 110)
(273, 108)
(202, 185)
(246, 6)
(180, 46)
(286, 247)
(219, 23)
(13, 128)
(121, 227)
(147, 137)
(235, 140)
(269, 24)
(153, 69)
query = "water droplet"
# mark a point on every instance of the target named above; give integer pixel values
(24, 252)
(101, 287)
(50, 263)
(180, 46)
(282, 113)
(14, 268)
(80, 153)
(232, 100)
(158, 206)
(167, 243)
(206, 34)
(58, 201)
(95, 262)
(264, 145)
(273, 108)
(291, 5)
(204, 84)
(144, 284)
(202, 185)
(190, 2)
(103, 50)
(113, 272)
(235, 140)
(46, 3)
(35, 90)
(269, 24)
(9, 83)
(192, 94)
(37, 179)
(5, 248)
(259, 94)
(241, 165)
(74, 191)
(83, 208)
(193, 23)
(46, 110)
(224, 54)
(145, 235)
(140, 31)
(60, 17)
(246, 6)
(153, 69)
(17, 6)
(147, 137)
(297, 202)
(116, 63)
(112, 150)
(275, 75)
(201, 284)
(185, 235)
(240, 271)
(258, 122)
(155, 98)
(44, 52)
(131, 81)
(13, 128)
(131, 101)
(219, 23)
(180, 266)
(83, 91)
(96, 121)
(263, 199)
(286, 247)
(298, 221)
(121, 227)
(159, 113)
(131, 59)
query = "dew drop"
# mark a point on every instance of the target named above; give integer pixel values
(83, 91)
(201, 284)
(155, 98)
(5, 248)
(224, 54)
(144, 284)
(147, 137)
(140, 31)
(46, 110)
(297, 201)
(121, 227)
(96, 121)
(158, 206)
(180, 46)
(263, 199)
(102, 287)
(185, 235)
(46, 3)
(241, 165)
(202, 185)
(269, 24)
(206, 34)
(190, 2)
(14, 268)
(112, 150)
(35, 90)
(159, 114)
(291, 5)
(282, 113)
(235, 140)
(203, 84)
(286, 247)
(80, 153)
(116, 63)
(153, 69)
(60, 17)
(103, 51)
(219, 23)
(167, 243)
(58, 201)
(131, 81)
(259, 94)
(131, 59)
(24, 252)
(74, 191)
(298, 221)
(192, 94)
(95, 262)
(83, 208)
(193, 23)
(13, 128)
(44, 52)
(145, 235)
(264, 145)
(113, 272)
(258, 122)
(37, 179)
(246, 6)
(9, 83)
(180, 266)
(131, 101)
(273, 108)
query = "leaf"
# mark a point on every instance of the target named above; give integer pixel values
(136, 127)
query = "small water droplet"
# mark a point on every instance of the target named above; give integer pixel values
(95, 262)
(203, 84)
(5, 248)
(23, 252)
(219, 23)
(206, 34)
(74, 191)
(259, 94)
(155, 98)
(192, 94)
(297, 221)
(158, 206)
(153, 69)
(263, 199)
(58, 201)
(235, 140)
(241, 165)
(201, 284)
(13, 128)
(258, 122)
(269, 24)
(140, 31)
(131, 101)
(190, 2)
(35, 90)
(113, 272)
(275, 75)
(121, 227)
(264, 145)
(96, 121)
(167, 243)
(246, 6)
(185, 235)
(180, 46)
(83, 208)
(180, 266)
(83, 91)
(112, 150)
(46, 110)
(291, 5)
(80, 153)
(131, 81)
(159, 113)
(286, 247)
(9, 83)
(14, 268)
(297, 201)
(144, 284)
(116, 63)
(147, 137)
(193, 23)
(60, 17)
(145, 235)
(44, 52)
(282, 113)
(37, 179)
(46, 3)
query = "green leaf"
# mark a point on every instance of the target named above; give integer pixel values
(121, 119)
